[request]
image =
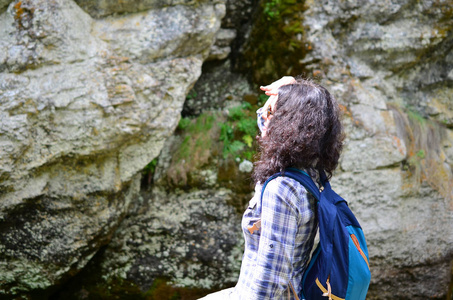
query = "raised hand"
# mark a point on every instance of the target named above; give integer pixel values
(272, 89)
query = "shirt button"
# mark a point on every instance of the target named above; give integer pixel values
(272, 246)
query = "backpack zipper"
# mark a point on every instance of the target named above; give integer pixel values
(357, 244)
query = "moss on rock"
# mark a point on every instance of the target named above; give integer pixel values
(277, 44)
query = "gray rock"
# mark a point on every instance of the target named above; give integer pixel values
(400, 194)
(80, 118)
(85, 104)
(404, 234)
(32, 35)
(217, 88)
(150, 35)
(221, 47)
(246, 166)
(388, 64)
(102, 8)
(192, 238)
(372, 153)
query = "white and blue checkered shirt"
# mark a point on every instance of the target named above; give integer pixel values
(280, 250)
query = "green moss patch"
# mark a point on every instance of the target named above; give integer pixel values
(277, 43)
(207, 144)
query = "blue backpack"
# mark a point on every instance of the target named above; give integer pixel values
(339, 267)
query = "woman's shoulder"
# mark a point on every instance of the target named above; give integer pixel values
(288, 189)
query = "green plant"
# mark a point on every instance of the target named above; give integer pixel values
(271, 9)
(248, 155)
(236, 113)
(421, 154)
(247, 126)
(226, 132)
(235, 147)
(248, 140)
(277, 43)
(183, 123)
(238, 131)
(191, 95)
(416, 116)
(150, 167)
(195, 138)
(226, 136)
(195, 148)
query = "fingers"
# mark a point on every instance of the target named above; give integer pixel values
(271, 101)
(271, 93)
(272, 89)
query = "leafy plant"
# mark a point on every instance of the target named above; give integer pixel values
(238, 131)
(195, 139)
(235, 147)
(150, 167)
(271, 9)
(248, 140)
(421, 154)
(191, 95)
(416, 116)
(183, 123)
(247, 126)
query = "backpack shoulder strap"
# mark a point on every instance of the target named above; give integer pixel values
(304, 179)
(298, 175)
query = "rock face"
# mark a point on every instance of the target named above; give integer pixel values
(390, 65)
(85, 105)
(188, 238)
(180, 238)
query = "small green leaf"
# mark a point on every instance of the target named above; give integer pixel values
(248, 140)
(421, 154)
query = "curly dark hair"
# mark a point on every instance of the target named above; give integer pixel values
(305, 132)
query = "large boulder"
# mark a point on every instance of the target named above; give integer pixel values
(85, 105)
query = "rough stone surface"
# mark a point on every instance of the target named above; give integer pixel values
(190, 238)
(163, 33)
(102, 8)
(217, 88)
(180, 237)
(85, 105)
(407, 233)
(221, 47)
(396, 169)
(388, 64)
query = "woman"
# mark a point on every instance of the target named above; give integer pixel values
(300, 128)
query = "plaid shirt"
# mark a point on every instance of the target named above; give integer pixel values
(280, 250)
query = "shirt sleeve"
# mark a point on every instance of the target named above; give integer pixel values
(279, 227)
